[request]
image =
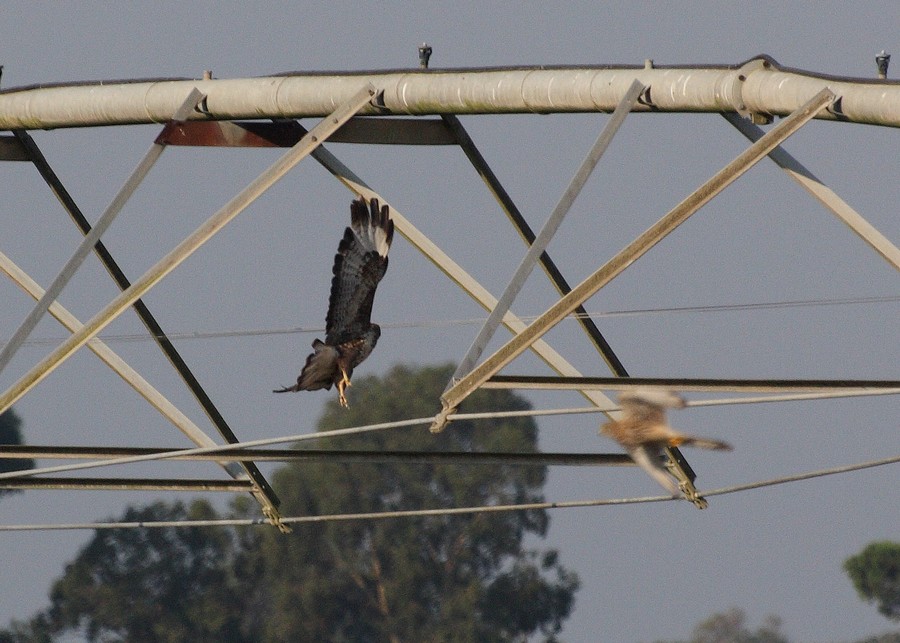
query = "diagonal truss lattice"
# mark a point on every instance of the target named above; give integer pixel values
(205, 114)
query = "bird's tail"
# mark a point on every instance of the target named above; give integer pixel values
(703, 443)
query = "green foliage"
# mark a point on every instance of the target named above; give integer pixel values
(459, 577)
(730, 627)
(151, 584)
(437, 578)
(890, 637)
(10, 433)
(38, 630)
(875, 573)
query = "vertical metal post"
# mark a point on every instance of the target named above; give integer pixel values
(87, 244)
(537, 248)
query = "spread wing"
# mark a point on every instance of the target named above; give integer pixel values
(649, 405)
(359, 265)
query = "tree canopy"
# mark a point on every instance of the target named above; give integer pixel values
(152, 584)
(10, 433)
(730, 627)
(458, 577)
(875, 573)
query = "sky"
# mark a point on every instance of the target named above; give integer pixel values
(648, 572)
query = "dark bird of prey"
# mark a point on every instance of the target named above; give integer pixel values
(350, 336)
(644, 432)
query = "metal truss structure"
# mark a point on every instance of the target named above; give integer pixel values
(414, 107)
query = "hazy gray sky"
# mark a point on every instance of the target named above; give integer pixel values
(647, 571)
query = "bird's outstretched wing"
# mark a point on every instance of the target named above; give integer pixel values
(643, 419)
(651, 461)
(649, 403)
(359, 265)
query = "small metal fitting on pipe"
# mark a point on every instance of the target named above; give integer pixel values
(424, 55)
(882, 60)
(202, 107)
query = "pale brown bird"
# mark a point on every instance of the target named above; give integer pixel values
(644, 432)
(350, 335)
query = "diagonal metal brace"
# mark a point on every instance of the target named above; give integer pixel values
(149, 320)
(84, 248)
(822, 193)
(184, 249)
(606, 273)
(118, 365)
(512, 212)
(168, 263)
(615, 266)
(538, 246)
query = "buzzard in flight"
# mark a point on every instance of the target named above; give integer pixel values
(350, 336)
(644, 432)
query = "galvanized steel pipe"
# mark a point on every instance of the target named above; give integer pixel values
(759, 86)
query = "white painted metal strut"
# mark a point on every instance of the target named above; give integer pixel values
(156, 399)
(492, 182)
(181, 252)
(87, 244)
(606, 273)
(455, 272)
(822, 193)
(760, 87)
(537, 248)
(30, 152)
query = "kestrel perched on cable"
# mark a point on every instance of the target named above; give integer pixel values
(644, 433)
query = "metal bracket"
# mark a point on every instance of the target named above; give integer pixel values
(757, 118)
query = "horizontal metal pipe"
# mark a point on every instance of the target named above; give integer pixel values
(323, 455)
(684, 384)
(127, 484)
(567, 504)
(759, 86)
